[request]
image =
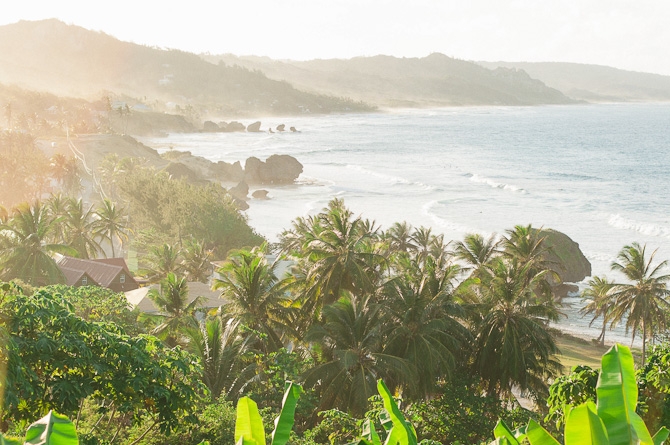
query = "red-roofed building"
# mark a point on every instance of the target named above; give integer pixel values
(111, 273)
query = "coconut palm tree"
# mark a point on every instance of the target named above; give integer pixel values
(599, 302)
(421, 321)
(336, 251)
(644, 300)
(476, 251)
(249, 287)
(513, 346)
(177, 313)
(112, 224)
(220, 347)
(351, 343)
(161, 261)
(81, 228)
(26, 252)
(197, 261)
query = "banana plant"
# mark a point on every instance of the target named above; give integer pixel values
(249, 428)
(612, 421)
(52, 429)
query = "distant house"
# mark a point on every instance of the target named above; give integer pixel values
(111, 273)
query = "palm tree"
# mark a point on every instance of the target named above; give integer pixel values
(643, 301)
(112, 224)
(600, 302)
(197, 261)
(421, 322)
(26, 250)
(476, 252)
(177, 312)
(353, 359)
(220, 347)
(249, 286)
(81, 229)
(528, 247)
(161, 261)
(400, 237)
(513, 346)
(337, 254)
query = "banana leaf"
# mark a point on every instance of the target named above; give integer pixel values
(370, 434)
(402, 433)
(284, 422)
(617, 399)
(248, 425)
(9, 441)
(537, 435)
(583, 426)
(52, 429)
(661, 436)
(503, 432)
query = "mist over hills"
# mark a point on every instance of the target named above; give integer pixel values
(51, 57)
(594, 83)
(68, 60)
(435, 80)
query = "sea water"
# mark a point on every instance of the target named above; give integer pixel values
(598, 173)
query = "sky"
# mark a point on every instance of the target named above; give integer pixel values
(627, 34)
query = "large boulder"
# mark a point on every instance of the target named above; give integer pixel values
(224, 171)
(252, 170)
(210, 127)
(572, 265)
(240, 191)
(260, 194)
(255, 127)
(280, 169)
(235, 126)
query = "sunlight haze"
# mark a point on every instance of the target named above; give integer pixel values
(626, 35)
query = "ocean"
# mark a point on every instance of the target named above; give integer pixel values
(598, 173)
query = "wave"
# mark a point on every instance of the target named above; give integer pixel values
(493, 184)
(393, 180)
(428, 210)
(619, 222)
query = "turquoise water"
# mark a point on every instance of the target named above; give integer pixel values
(595, 172)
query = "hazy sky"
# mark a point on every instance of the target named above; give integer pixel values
(626, 34)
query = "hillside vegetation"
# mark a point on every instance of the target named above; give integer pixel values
(594, 83)
(436, 80)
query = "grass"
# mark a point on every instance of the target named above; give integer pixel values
(577, 351)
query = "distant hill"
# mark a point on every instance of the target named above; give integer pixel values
(595, 83)
(436, 80)
(68, 60)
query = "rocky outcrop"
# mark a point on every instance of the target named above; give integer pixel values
(223, 171)
(572, 264)
(277, 169)
(260, 194)
(240, 191)
(234, 126)
(210, 127)
(255, 127)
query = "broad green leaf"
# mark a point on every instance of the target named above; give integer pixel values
(370, 434)
(401, 433)
(204, 442)
(502, 431)
(385, 420)
(52, 429)
(537, 435)
(617, 399)
(661, 436)
(285, 419)
(8, 441)
(249, 426)
(584, 427)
